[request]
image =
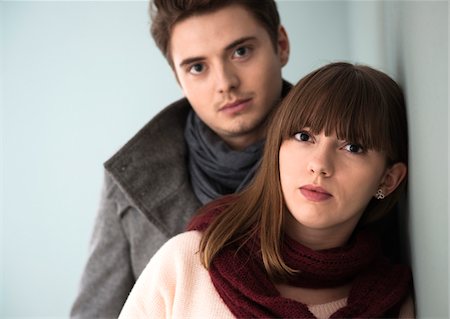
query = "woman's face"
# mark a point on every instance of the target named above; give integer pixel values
(327, 183)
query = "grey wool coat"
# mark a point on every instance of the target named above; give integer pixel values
(147, 198)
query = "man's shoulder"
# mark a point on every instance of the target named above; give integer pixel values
(166, 126)
(163, 130)
(174, 113)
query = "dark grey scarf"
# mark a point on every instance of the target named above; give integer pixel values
(215, 169)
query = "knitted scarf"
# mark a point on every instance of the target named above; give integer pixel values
(238, 274)
(215, 169)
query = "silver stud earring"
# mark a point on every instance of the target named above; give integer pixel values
(379, 194)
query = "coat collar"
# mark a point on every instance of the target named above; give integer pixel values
(155, 155)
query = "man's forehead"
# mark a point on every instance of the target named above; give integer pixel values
(213, 32)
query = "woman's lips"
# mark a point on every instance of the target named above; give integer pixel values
(314, 193)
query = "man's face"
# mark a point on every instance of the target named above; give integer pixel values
(229, 71)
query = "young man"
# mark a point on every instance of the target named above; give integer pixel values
(227, 57)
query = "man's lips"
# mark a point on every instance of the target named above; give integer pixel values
(235, 106)
(315, 193)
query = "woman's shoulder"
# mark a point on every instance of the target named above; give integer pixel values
(172, 262)
(182, 247)
(173, 280)
(186, 240)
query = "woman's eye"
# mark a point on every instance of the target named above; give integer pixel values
(302, 136)
(196, 68)
(354, 148)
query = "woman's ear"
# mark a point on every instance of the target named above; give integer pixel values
(393, 177)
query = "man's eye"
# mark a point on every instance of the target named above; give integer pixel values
(196, 68)
(354, 148)
(302, 136)
(241, 52)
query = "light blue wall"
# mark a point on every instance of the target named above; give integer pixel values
(409, 40)
(80, 78)
(78, 83)
(2, 180)
(417, 52)
(318, 32)
(366, 33)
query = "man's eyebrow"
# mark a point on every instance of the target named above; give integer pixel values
(239, 42)
(191, 60)
(228, 47)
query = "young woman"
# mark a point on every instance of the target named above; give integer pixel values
(297, 243)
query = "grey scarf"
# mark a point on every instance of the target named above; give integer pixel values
(215, 169)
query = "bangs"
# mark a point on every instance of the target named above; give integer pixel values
(343, 103)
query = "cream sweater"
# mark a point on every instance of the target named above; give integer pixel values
(175, 285)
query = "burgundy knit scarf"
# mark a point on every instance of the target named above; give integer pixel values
(378, 288)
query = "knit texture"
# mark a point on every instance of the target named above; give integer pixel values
(238, 274)
(214, 168)
(176, 285)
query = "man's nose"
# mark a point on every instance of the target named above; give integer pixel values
(227, 78)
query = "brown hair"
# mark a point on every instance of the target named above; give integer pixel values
(359, 104)
(166, 13)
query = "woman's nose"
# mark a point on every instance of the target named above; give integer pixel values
(321, 162)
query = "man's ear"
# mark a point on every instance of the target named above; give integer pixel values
(393, 177)
(283, 45)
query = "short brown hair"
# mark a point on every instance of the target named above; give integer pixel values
(359, 104)
(166, 13)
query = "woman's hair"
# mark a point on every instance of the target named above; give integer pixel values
(166, 13)
(357, 103)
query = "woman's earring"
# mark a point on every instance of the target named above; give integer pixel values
(379, 194)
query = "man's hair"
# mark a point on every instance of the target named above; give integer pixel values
(358, 104)
(166, 13)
